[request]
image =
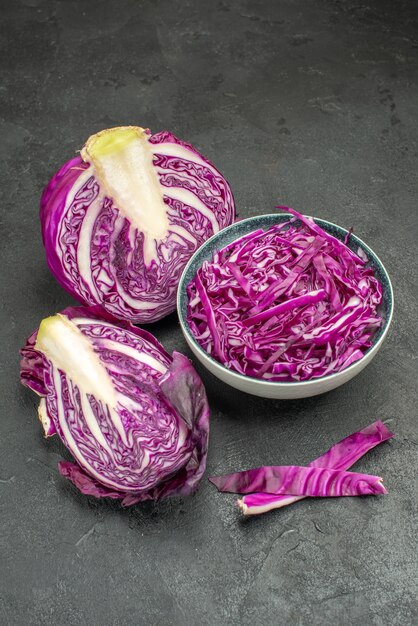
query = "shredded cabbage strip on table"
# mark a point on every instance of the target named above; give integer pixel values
(258, 485)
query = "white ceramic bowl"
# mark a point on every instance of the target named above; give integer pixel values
(263, 388)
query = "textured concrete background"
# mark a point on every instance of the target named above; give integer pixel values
(313, 104)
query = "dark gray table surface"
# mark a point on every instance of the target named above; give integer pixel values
(310, 104)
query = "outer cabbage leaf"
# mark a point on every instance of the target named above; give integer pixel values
(120, 222)
(135, 419)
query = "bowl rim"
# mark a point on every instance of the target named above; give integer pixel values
(279, 384)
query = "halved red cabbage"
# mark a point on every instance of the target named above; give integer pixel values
(340, 456)
(135, 419)
(120, 222)
(288, 304)
(295, 480)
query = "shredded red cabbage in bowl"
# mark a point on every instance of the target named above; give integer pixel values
(287, 304)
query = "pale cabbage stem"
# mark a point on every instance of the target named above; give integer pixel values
(62, 342)
(122, 162)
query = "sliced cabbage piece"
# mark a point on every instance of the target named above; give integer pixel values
(296, 480)
(340, 456)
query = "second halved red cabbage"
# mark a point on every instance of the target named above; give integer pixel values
(290, 303)
(134, 418)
